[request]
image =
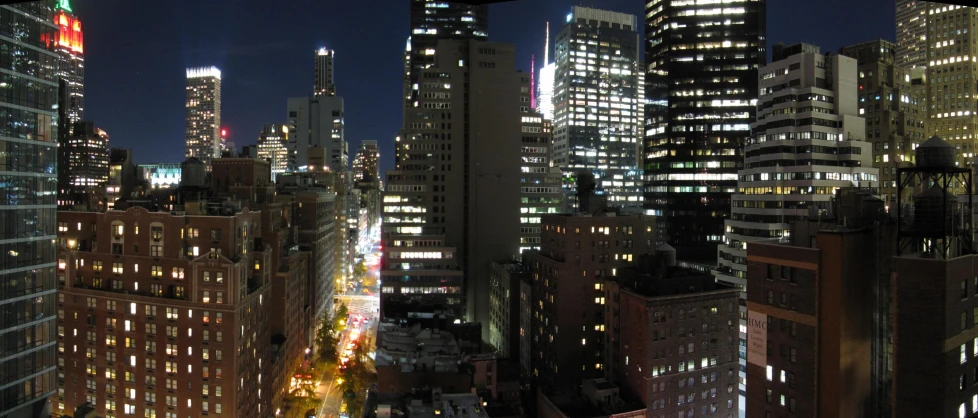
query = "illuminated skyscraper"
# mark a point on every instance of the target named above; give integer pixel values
(911, 33)
(28, 126)
(701, 86)
(457, 176)
(597, 99)
(203, 113)
(366, 165)
(273, 147)
(318, 121)
(952, 111)
(69, 43)
(540, 179)
(85, 166)
(545, 89)
(432, 20)
(324, 73)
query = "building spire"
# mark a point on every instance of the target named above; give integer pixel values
(64, 5)
(546, 46)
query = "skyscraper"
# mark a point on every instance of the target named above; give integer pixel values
(457, 162)
(888, 92)
(432, 20)
(324, 73)
(911, 33)
(318, 121)
(85, 166)
(597, 100)
(540, 179)
(203, 113)
(794, 165)
(273, 147)
(366, 165)
(545, 86)
(28, 346)
(952, 112)
(701, 84)
(69, 43)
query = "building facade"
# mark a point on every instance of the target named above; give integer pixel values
(316, 122)
(811, 325)
(69, 42)
(163, 313)
(203, 119)
(701, 85)
(85, 165)
(578, 254)
(504, 305)
(366, 164)
(434, 20)
(951, 109)
(808, 141)
(273, 147)
(324, 85)
(673, 338)
(30, 141)
(420, 275)
(911, 33)
(449, 131)
(892, 104)
(598, 105)
(540, 179)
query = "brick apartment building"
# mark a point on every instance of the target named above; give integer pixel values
(163, 314)
(935, 342)
(811, 325)
(578, 253)
(673, 338)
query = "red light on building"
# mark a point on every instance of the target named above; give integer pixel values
(69, 32)
(224, 133)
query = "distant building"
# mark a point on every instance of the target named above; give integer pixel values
(586, 134)
(316, 122)
(122, 176)
(911, 33)
(324, 85)
(273, 147)
(889, 92)
(69, 42)
(366, 164)
(540, 179)
(84, 167)
(203, 114)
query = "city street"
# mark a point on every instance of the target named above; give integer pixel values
(361, 302)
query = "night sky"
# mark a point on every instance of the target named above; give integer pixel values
(136, 54)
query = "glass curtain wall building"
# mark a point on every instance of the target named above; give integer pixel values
(701, 83)
(597, 101)
(28, 208)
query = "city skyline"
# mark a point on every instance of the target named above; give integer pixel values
(254, 95)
